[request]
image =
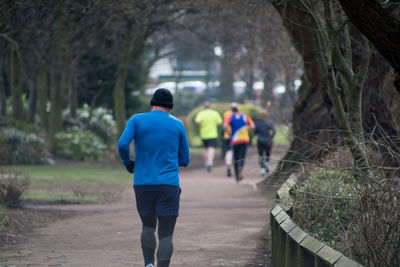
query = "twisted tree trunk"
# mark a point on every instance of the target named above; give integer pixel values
(313, 110)
(312, 114)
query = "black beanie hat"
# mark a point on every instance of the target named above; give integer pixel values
(162, 97)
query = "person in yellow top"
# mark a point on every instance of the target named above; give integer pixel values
(208, 120)
(226, 146)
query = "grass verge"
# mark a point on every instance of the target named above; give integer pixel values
(74, 184)
(282, 136)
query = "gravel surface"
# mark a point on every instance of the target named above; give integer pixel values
(221, 223)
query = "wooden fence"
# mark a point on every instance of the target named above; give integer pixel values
(291, 246)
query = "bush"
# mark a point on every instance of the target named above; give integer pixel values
(9, 122)
(374, 239)
(251, 110)
(358, 218)
(23, 148)
(79, 145)
(322, 205)
(12, 186)
(103, 125)
(4, 218)
(99, 121)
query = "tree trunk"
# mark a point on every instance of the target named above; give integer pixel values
(57, 83)
(288, 97)
(268, 79)
(207, 79)
(178, 78)
(71, 84)
(3, 100)
(227, 77)
(16, 85)
(313, 110)
(72, 95)
(378, 25)
(119, 88)
(33, 96)
(42, 88)
(313, 117)
(249, 81)
(57, 79)
(381, 109)
(381, 99)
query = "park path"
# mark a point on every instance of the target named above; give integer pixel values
(221, 223)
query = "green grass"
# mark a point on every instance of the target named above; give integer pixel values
(282, 136)
(74, 173)
(69, 184)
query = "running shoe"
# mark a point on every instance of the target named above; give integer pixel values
(209, 167)
(240, 176)
(266, 167)
(262, 171)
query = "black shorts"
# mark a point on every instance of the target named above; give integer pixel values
(210, 142)
(162, 200)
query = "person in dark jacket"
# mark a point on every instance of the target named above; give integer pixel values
(265, 131)
(161, 146)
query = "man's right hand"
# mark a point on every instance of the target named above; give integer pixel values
(130, 166)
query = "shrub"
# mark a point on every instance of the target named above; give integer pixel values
(102, 124)
(79, 145)
(23, 148)
(99, 121)
(322, 204)
(251, 110)
(9, 122)
(12, 186)
(358, 218)
(374, 239)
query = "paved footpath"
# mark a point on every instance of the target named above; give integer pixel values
(221, 223)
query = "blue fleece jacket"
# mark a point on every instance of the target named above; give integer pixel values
(161, 146)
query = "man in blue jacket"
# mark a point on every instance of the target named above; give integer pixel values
(161, 146)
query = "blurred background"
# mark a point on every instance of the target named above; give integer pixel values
(73, 72)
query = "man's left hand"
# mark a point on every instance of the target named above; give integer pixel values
(130, 166)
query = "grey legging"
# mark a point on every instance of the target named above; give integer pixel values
(166, 226)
